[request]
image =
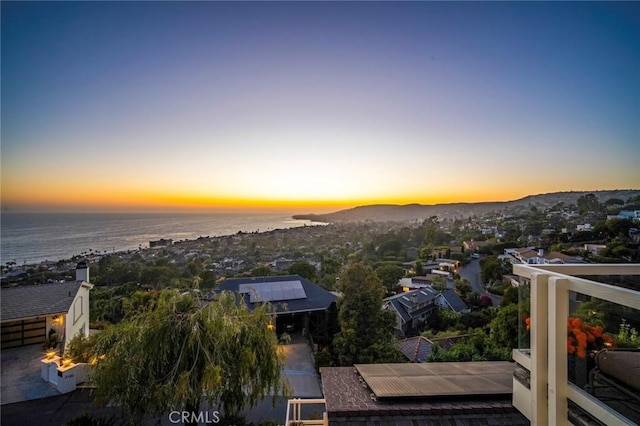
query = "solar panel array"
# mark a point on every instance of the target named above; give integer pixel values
(273, 291)
(438, 379)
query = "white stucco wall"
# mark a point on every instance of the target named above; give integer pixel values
(77, 319)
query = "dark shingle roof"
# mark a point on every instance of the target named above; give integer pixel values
(317, 298)
(454, 300)
(37, 300)
(405, 302)
(416, 349)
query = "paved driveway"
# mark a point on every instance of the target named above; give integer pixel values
(20, 375)
(299, 369)
(300, 372)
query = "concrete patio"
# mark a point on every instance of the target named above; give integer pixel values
(20, 375)
(299, 369)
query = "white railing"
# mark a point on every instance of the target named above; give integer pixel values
(546, 402)
(294, 408)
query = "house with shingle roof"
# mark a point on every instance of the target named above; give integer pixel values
(451, 300)
(297, 304)
(29, 314)
(532, 256)
(527, 255)
(416, 349)
(412, 308)
(555, 257)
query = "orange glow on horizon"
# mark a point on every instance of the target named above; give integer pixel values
(132, 200)
(34, 194)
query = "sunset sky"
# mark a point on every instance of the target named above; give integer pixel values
(314, 107)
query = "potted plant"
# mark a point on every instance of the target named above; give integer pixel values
(51, 341)
(285, 338)
(583, 341)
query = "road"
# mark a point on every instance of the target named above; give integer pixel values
(471, 272)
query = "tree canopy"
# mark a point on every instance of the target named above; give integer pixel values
(365, 329)
(439, 283)
(492, 269)
(463, 286)
(304, 269)
(588, 203)
(261, 271)
(504, 327)
(177, 353)
(390, 274)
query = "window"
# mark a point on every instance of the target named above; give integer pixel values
(77, 309)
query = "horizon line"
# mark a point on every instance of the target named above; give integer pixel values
(258, 209)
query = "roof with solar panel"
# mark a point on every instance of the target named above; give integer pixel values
(438, 393)
(286, 293)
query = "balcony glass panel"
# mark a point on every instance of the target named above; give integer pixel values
(524, 315)
(611, 376)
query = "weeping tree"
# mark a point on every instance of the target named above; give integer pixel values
(178, 353)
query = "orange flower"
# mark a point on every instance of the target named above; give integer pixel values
(597, 332)
(583, 337)
(575, 323)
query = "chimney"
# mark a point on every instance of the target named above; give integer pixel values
(82, 271)
(414, 298)
(540, 252)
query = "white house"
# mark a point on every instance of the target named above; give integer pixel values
(594, 249)
(30, 313)
(626, 214)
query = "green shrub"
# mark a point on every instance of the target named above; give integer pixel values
(496, 289)
(285, 338)
(628, 336)
(323, 359)
(80, 348)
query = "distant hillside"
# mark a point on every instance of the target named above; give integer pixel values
(419, 212)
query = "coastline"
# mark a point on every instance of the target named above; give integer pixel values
(319, 218)
(37, 238)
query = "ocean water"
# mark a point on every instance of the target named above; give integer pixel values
(35, 237)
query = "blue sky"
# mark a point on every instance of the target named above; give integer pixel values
(120, 105)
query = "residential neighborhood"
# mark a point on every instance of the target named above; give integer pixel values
(438, 291)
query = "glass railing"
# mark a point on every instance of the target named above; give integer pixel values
(298, 416)
(578, 352)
